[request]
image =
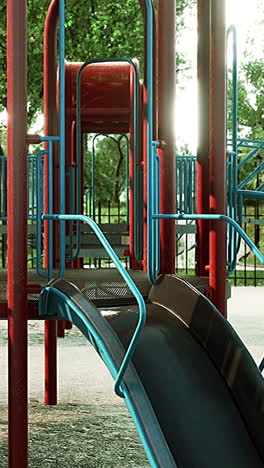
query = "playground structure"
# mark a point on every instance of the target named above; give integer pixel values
(121, 103)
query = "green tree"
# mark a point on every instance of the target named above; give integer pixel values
(94, 29)
(109, 167)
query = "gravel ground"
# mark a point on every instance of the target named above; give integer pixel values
(99, 434)
(78, 436)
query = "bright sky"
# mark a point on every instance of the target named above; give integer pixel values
(242, 13)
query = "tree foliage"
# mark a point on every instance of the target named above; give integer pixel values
(250, 116)
(110, 157)
(94, 29)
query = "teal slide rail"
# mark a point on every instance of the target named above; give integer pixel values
(141, 304)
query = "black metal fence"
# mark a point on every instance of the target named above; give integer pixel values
(249, 271)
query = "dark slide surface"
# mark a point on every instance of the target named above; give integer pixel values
(197, 414)
(206, 392)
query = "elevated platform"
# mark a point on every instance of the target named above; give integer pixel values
(103, 287)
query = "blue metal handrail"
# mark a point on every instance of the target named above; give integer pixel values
(62, 247)
(133, 288)
(39, 215)
(232, 169)
(153, 251)
(219, 217)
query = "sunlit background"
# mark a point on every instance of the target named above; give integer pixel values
(245, 14)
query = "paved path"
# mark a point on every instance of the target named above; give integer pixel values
(246, 314)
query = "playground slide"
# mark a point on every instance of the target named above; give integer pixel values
(193, 390)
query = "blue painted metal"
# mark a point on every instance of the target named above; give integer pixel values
(72, 176)
(156, 223)
(251, 176)
(219, 217)
(62, 130)
(186, 183)
(61, 140)
(40, 212)
(231, 32)
(111, 253)
(253, 194)
(3, 162)
(234, 194)
(233, 240)
(251, 154)
(151, 149)
(50, 208)
(50, 140)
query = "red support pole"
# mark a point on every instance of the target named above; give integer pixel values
(50, 128)
(166, 129)
(203, 74)
(217, 277)
(145, 175)
(17, 231)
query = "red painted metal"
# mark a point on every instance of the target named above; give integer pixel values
(32, 311)
(203, 72)
(145, 162)
(68, 325)
(166, 129)
(33, 139)
(17, 231)
(50, 128)
(61, 328)
(105, 89)
(217, 202)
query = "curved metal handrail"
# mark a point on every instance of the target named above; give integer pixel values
(133, 288)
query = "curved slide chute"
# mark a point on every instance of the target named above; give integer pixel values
(193, 389)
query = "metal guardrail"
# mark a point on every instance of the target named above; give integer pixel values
(133, 288)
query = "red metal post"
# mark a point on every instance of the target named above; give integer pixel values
(166, 128)
(50, 128)
(203, 72)
(17, 231)
(217, 276)
(143, 97)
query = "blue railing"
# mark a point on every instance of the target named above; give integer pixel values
(186, 184)
(32, 187)
(141, 304)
